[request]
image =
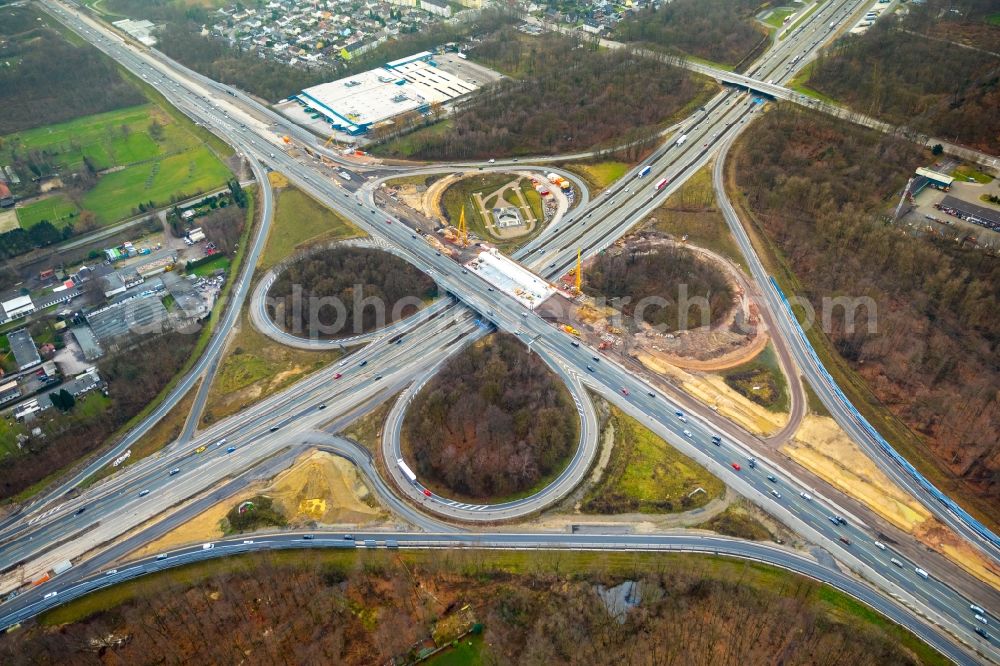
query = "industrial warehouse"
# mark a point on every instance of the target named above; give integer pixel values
(353, 105)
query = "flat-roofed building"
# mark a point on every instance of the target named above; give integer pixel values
(20, 306)
(24, 349)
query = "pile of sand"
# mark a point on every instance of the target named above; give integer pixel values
(319, 487)
(825, 450)
(712, 390)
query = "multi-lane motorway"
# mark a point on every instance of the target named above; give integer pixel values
(707, 545)
(113, 507)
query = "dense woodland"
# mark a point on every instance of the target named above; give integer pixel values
(722, 31)
(494, 421)
(667, 273)
(819, 187)
(362, 609)
(572, 97)
(134, 377)
(351, 276)
(179, 38)
(929, 83)
(45, 79)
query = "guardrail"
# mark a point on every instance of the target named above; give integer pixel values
(946, 501)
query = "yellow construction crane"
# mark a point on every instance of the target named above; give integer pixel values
(579, 272)
(328, 141)
(463, 229)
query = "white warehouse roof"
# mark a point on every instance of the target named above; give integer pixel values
(359, 101)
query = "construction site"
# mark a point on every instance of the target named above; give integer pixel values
(496, 208)
(734, 339)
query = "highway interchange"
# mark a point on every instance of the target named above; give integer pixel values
(113, 507)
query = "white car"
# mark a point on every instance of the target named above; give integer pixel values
(687, 433)
(880, 545)
(806, 496)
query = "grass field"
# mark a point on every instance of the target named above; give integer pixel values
(460, 193)
(761, 380)
(209, 267)
(691, 212)
(171, 178)
(57, 209)
(106, 139)
(800, 85)
(300, 220)
(965, 172)
(487, 563)
(778, 16)
(253, 367)
(158, 158)
(648, 475)
(405, 146)
(599, 175)
(816, 406)
(468, 652)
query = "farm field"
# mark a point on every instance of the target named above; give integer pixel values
(175, 177)
(128, 157)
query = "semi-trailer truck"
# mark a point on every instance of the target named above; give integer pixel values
(645, 171)
(660, 185)
(407, 472)
(684, 137)
(59, 568)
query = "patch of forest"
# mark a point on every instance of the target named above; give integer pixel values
(530, 608)
(47, 80)
(820, 189)
(134, 378)
(180, 38)
(723, 31)
(344, 291)
(909, 70)
(493, 422)
(668, 287)
(573, 97)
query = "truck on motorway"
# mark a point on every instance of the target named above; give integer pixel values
(645, 171)
(59, 568)
(923, 574)
(680, 141)
(407, 472)
(660, 185)
(207, 546)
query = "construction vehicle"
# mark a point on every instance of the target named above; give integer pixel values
(287, 139)
(569, 329)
